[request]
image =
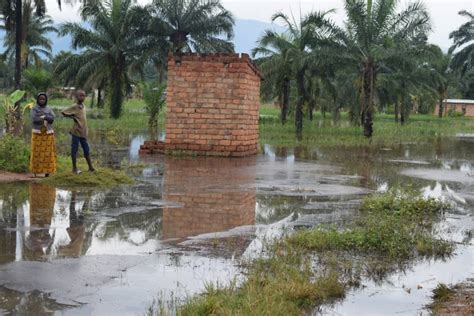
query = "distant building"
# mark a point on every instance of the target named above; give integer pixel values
(457, 105)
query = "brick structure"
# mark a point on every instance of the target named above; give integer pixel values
(212, 194)
(212, 105)
(458, 105)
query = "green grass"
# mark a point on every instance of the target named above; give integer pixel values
(14, 156)
(393, 229)
(324, 132)
(283, 285)
(102, 177)
(395, 225)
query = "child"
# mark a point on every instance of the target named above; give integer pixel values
(79, 131)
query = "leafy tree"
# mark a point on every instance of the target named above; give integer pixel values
(373, 28)
(111, 47)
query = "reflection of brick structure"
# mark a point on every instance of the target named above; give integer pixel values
(216, 195)
(212, 104)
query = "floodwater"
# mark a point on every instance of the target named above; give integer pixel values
(191, 221)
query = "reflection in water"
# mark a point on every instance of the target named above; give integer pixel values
(446, 195)
(176, 198)
(37, 218)
(47, 227)
(216, 195)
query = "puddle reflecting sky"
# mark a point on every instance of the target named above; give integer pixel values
(191, 219)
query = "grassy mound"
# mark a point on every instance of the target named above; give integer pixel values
(396, 225)
(102, 177)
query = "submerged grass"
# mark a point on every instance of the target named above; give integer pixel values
(441, 294)
(394, 228)
(324, 132)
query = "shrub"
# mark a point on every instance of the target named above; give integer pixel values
(454, 113)
(14, 154)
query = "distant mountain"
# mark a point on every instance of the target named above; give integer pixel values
(247, 32)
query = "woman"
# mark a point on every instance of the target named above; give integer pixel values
(43, 147)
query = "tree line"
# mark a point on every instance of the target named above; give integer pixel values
(379, 59)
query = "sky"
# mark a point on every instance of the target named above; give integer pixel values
(444, 13)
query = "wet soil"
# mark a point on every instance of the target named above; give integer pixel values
(6, 176)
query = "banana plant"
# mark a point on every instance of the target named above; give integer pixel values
(13, 117)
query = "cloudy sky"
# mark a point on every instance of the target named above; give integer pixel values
(444, 13)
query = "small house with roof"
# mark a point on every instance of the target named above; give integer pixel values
(464, 106)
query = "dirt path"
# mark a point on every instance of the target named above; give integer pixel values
(461, 303)
(6, 176)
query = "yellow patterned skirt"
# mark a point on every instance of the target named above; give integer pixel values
(43, 153)
(42, 199)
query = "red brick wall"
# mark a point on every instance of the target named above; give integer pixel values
(212, 104)
(212, 194)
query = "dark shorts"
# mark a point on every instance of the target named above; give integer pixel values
(76, 140)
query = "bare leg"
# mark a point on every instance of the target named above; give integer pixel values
(89, 163)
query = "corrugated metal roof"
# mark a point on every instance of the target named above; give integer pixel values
(464, 101)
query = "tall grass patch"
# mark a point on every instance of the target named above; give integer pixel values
(323, 131)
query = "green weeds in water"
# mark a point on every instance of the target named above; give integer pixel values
(441, 294)
(395, 225)
(393, 229)
(283, 285)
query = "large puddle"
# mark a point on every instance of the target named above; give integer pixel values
(190, 221)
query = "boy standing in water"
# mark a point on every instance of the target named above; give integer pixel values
(79, 130)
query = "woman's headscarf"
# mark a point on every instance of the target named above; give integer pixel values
(40, 94)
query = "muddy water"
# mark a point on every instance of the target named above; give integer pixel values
(189, 221)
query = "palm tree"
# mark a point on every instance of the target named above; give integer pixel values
(405, 74)
(12, 11)
(34, 41)
(12, 14)
(372, 30)
(192, 25)
(463, 60)
(440, 74)
(299, 46)
(275, 66)
(112, 45)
